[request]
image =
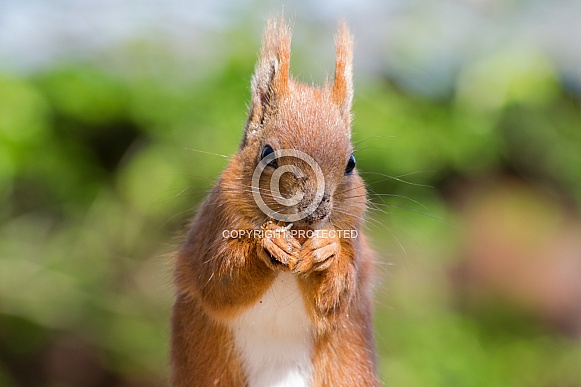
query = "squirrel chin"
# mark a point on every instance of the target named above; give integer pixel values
(310, 225)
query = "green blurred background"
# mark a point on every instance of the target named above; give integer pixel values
(113, 115)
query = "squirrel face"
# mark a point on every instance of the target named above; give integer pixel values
(299, 138)
(309, 122)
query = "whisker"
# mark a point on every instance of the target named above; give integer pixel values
(380, 226)
(208, 153)
(371, 138)
(397, 178)
(427, 215)
(382, 195)
(265, 192)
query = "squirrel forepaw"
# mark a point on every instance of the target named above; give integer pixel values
(317, 254)
(280, 248)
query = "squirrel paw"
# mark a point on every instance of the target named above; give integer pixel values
(280, 246)
(317, 254)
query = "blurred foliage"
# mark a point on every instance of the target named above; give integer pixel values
(99, 170)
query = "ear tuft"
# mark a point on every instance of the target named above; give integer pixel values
(271, 76)
(342, 91)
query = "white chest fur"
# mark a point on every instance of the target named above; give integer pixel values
(274, 337)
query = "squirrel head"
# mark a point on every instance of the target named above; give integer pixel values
(299, 137)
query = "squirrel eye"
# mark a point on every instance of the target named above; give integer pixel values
(350, 165)
(267, 150)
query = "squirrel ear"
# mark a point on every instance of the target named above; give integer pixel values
(342, 91)
(271, 75)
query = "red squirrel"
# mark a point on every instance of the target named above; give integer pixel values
(274, 276)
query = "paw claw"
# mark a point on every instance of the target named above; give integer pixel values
(280, 244)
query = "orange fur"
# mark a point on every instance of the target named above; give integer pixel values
(218, 279)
